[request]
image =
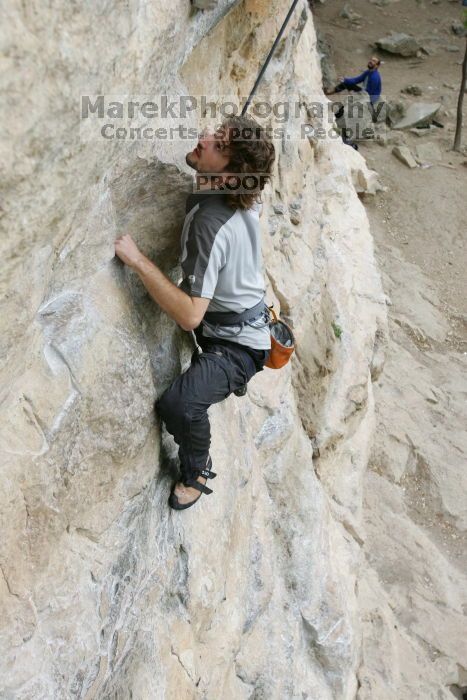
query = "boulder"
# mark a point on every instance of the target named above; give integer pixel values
(348, 13)
(418, 114)
(400, 44)
(405, 156)
(412, 90)
(458, 28)
(427, 152)
(395, 110)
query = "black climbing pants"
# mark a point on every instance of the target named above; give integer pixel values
(213, 375)
(342, 86)
(353, 88)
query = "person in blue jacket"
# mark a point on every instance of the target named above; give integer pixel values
(371, 80)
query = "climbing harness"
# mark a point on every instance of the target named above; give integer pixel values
(213, 319)
(282, 337)
(249, 317)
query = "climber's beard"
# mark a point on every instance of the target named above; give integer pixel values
(192, 161)
(211, 180)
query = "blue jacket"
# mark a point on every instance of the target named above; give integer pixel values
(371, 83)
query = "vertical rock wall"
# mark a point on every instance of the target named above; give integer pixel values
(105, 592)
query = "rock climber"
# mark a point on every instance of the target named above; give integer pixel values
(221, 262)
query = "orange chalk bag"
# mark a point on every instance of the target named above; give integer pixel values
(282, 342)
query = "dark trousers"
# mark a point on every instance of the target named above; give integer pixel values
(353, 88)
(213, 375)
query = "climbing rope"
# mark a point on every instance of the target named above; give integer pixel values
(269, 56)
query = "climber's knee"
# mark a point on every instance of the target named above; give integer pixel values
(170, 408)
(164, 404)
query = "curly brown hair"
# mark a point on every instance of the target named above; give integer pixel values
(251, 151)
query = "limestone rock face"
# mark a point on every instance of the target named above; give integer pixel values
(327, 68)
(105, 592)
(413, 592)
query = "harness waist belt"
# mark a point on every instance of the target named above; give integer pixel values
(233, 318)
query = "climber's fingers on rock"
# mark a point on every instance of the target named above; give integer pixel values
(126, 249)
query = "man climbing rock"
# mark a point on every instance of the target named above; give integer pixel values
(221, 263)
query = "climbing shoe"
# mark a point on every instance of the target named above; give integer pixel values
(192, 481)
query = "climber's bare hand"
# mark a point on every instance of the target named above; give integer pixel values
(127, 250)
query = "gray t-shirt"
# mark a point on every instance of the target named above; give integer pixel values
(221, 260)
